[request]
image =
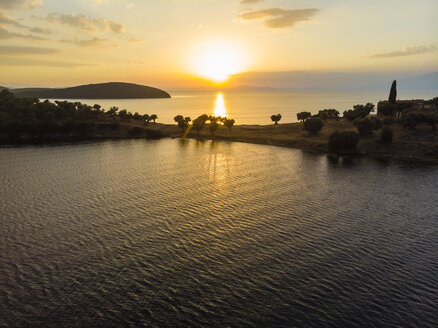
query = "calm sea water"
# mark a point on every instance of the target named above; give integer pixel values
(246, 107)
(202, 234)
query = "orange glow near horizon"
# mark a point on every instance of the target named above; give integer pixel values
(220, 107)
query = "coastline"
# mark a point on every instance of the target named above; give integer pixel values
(417, 146)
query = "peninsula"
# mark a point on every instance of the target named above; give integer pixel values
(413, 136)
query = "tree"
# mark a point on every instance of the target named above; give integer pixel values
(359, 111)
(302, 116)
(146, 119)
(229, 123)
(341, 142)
(313, 125)
(113, 112)
(214, 124)
(154, 117)
(276, 118)
(124, 114)
(183, 122)
(393, 93)
(328, 114)
(199, 123)
(386, 135)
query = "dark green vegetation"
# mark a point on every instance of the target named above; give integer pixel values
(112, 90)
(30, 120)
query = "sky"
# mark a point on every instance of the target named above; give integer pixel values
(193, 43)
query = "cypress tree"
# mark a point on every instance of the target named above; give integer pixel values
(393, 93)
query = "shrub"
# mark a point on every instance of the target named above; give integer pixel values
(412, 119)
(386, 135)
(340, 142)
(387, 121)
(364, 126)
(313, 125)
(377, 123)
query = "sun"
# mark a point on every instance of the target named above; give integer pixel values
(218, 60)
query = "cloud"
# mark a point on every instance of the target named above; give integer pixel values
(26, 4)
(5, 20)
(278, 17)
(85, 23)
(135, 40)
(5, 34)
(40, 30)
(93, 42)
(245, 2)
(14, 61)
(17, 50)
(407, 51)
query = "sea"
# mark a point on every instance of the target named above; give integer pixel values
(187, 233)
(251, 107)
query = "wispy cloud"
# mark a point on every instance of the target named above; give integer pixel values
(40, 30)
(18, 50)
(278, 17)
(26, 4)
(5, 20)
(85, 23)
(407, 51)
(5, 34)
(14, 61)
(245, 2)
(93, 42)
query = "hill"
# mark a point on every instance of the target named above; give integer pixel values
(111, 90)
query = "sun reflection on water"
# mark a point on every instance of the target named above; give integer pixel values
(220, 107)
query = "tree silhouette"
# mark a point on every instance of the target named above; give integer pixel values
(214, 124)
(229, 123)
(276, 118)
(199, 123)
(113, 111)
(393, 93)
(154, 117)
(146, 119)
(183, 122)
(303, 116)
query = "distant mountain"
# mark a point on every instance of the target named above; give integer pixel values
(427, 82)
(111, 90)
(334, 81)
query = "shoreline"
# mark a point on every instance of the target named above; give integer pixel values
(419, 146)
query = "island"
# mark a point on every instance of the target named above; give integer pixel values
(110, 90)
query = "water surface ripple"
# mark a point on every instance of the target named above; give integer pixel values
(203, 234)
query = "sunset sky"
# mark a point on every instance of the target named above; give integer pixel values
(172, 43)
